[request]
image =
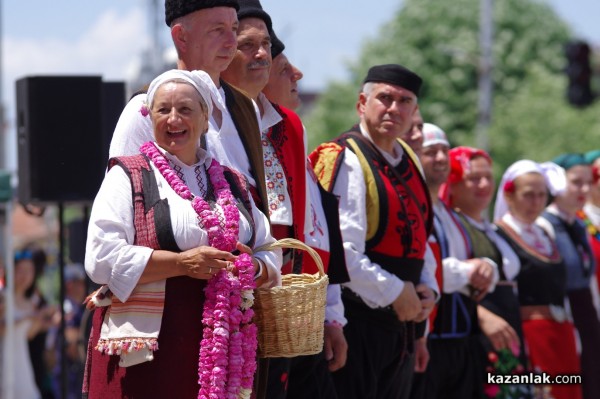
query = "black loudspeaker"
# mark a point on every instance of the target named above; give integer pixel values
(62, 137)
(113, 102)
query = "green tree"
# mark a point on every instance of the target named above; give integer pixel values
(439, 40)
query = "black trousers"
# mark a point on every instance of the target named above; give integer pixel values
(453, 371)
(379, 366)
(302, 377)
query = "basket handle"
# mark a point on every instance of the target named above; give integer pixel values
(296, 244)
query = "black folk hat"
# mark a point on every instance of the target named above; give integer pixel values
(277, 45)
(178, 8)
(253, 9)
(395, 74)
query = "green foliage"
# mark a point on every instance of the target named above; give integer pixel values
(439, 40)
(334, 114)
(539, 124)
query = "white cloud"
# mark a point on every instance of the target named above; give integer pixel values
(109, 48)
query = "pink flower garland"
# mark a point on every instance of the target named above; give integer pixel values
(227, 359)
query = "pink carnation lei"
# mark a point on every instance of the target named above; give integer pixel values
(227, 359)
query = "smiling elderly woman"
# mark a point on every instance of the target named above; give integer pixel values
(170, 237)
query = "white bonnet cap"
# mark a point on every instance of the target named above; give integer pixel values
(554, 175)
(433, 135)
(200, 80)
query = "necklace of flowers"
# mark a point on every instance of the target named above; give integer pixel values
(227, 359)
(592, 230)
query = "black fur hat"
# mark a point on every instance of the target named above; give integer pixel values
(178, 8)
(253, 9)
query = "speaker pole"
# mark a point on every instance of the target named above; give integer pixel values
(61, 268)
(85, 221)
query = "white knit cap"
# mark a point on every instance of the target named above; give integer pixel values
(554, 175)
(200, 80)
(433, 135)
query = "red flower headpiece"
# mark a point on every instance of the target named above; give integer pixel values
(509, 187)
(460, 163)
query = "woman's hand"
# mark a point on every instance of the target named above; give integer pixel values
(481, 277)
(496, 329)
(203, 262)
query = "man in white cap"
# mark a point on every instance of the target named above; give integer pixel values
(454, 325)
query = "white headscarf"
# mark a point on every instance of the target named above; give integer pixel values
(554, 175)
(200, 80)
(433, 135)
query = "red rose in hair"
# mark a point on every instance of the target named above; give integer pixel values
(509, 187)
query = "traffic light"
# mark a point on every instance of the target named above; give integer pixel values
(579, 72)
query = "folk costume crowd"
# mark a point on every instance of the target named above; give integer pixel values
(426, 296)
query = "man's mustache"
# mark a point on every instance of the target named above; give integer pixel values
(258, 64)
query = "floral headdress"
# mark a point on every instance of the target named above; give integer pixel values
(460, 164)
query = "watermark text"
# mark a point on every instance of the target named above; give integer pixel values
(533, 379)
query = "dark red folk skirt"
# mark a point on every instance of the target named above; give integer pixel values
(174, 371)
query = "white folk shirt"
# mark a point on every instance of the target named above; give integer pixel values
(375, 285)
(111, 258)
(317, 236)
(456, 270)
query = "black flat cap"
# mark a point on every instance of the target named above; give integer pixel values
(395, 74)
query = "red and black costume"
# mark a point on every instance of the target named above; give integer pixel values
(399, 220)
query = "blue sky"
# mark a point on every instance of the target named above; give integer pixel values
(106, 37)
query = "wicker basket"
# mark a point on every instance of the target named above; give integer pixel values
(290, 318)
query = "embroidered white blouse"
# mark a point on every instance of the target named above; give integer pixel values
(111, 258)
(280, 204)
(532, 234)
(316, 234)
